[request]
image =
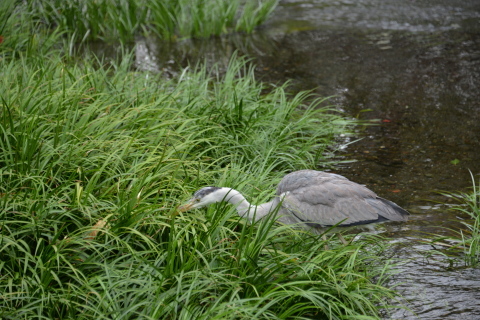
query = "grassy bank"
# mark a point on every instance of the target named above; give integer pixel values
(94, 159)
(124, 19)
(466, 241)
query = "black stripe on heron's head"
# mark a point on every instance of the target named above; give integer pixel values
(204, 191)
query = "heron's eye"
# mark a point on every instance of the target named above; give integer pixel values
(197, 200)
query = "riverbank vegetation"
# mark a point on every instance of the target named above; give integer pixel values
(466, 241)
(124, 19)
(96, 156)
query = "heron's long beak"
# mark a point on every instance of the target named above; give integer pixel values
(185, 207)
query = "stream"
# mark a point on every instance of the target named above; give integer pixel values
(412, 67)
(415, 66)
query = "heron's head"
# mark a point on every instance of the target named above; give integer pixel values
(202, 198)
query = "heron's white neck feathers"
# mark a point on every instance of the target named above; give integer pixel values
(244, 208)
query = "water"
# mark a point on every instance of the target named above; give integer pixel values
(416, 66)
(424, 91)
(412, 16)
(412, 65)
(432, 291)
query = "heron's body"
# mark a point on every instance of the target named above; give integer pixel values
(314, 199)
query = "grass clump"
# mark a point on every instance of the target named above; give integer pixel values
(108, 20)
(22, 35)
(467, 241)
(94, 161)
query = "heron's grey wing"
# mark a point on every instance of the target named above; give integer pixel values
(327, 206)
(306, 178)
(325, 199)
(312, 215)
(388, 209)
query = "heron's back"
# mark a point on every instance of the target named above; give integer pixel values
(322, 198)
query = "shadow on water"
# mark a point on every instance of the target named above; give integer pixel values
(414, 66)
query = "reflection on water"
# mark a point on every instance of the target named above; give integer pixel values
(415, 66)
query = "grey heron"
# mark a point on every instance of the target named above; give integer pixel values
(309, 198)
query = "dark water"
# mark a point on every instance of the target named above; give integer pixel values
(416, 66)
(413, 65)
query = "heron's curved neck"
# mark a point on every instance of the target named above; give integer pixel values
(244, 208)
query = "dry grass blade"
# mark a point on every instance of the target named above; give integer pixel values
(92, 234)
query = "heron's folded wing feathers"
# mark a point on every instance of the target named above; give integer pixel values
(328, 199)
(342, 211)
(388, 209)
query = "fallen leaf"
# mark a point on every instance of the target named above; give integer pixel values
(455, 162)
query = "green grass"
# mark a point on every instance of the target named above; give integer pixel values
(123, 19)
(466, 241)
(94, 159)
(84, 147)
(22, 35)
